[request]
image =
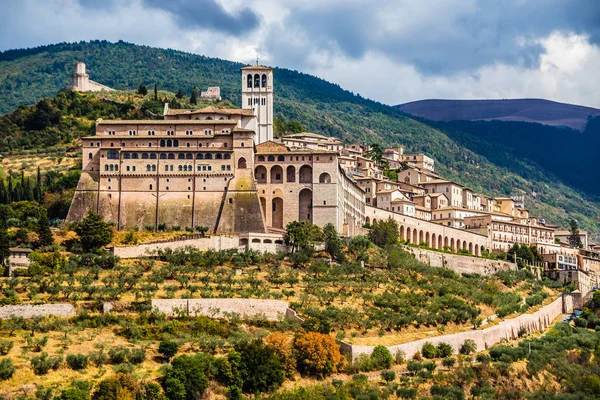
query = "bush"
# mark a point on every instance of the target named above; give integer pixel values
(448, 393)
(77, 361)
(118, 355)
(381, 358)
(78, 390)
(448, 362)
(7, 369)
(483, 358)
(168, 349)
(44, 363)
(444, 350)
(580, 322)
(429, 350)
(407, 393)
(186, 378)
(388, 375)
(260, 367)
(5, 346)
(468, 347)
(507, 354)
(317, 354)
(120, 386)
(399, 357)
(137, 356)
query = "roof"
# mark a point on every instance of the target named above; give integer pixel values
(441, 181)
(258, 67)
(211, 110)
(20, 250)
(166, 122)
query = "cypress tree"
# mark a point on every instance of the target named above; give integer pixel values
(155, 92)
(3, 194)
(38, 187)
(10, 188)
(4, 245)
(194, 97)
(180, 94)
(43, 229)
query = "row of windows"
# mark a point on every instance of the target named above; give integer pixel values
(151, 133)
(132, 133)
(263, 101)
(282, 158)
(171, 156)
(111, 167)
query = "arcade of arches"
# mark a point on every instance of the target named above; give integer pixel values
(431, 234)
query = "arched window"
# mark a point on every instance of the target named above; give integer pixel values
(134, 156)
(227, 156)
(126, 156)
(112, 167)
(112, 155)
(169, 143)
(219, 156)
(149, 144)
(199, 156)
(145, 156)
(92, 144)
(171, 156)
(261, 158)
(242, 163)
(162, 143)
(189, 156)
(116, 167)
(181, 156)
(180, 168)
(153, 168)
(163, 156)
(106, 167)
(271, 158)
(249, 79)
(256, 80)
(324, 178)
(264, 80)
(280, 158)
(90, 156)
(200, 145)
(175, 143)
(148, 168)
(208, 156)
(153, 156)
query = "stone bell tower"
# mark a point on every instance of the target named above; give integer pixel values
(257, 95)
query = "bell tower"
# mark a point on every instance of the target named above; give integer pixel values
(257, 95)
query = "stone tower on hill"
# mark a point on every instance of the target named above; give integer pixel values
(257, 95)
(80, 81)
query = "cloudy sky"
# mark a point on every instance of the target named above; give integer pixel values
(393, 51)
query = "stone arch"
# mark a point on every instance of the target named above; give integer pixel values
(458, 245)
(256, 80)
(452, 244)
(291, 174)
(276, 174)
(415, 239)
(408, 232)
(421, 237)
(264, 80)
(260, 174)
(476, 249)
(255, 240)
(268, 241)
(305, 199)
(305, 174)
(241, 163)
(446, 242)
(277, 213)
(324, 178)
(402, 232)
(433, 244)
(368, 221)
(249, 80)
(440, 244)
(427, 239)
(470, 248)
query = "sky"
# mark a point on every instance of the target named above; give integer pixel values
(393, 51)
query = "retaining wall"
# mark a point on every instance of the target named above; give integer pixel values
(272, 310)
(43, 310)
(507, 329)
(212, 242)
(461, 264)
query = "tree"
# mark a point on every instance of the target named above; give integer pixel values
(43, 229)
(302, 235)
(194, 96)
(168, 349)
(282, 345)
(574, 238)
(155, 92)
(333, 242)
(142, 89)
(7, 369)
(120, 386)
(94, 232)
(381, 358)
(468, 347)
(4, 245)
(260, 368)
(375, 153)
(317, 354)
(384, 232)
(180, 94)
(187, 377)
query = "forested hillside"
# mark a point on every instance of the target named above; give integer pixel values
(26, 76)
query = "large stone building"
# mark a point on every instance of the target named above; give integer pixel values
(81, 82)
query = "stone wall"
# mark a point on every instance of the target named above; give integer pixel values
(272, 310)
(507, 329)
(212, 242)
(43, 310)
(461, 264)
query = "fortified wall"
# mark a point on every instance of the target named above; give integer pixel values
(42, 310)
(461, 264)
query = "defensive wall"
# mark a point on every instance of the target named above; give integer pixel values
(264, 242)
(272, 310)
(506, 330)
(434, 235)
(461, 264)
(42, 310)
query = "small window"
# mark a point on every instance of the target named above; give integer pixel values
(150, 187)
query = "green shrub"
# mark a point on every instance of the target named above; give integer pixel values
(407, 393)
(44, 363)
(448, 393)
(429, 350)
(118, 355)
(483, 358)
(5, 346)
(388, 375)
(444, 350)
(77, 361)
(381, 358)
(137, 356)
(468, 347)
(7, 369)
(399, 357)
(168, 349)
(448, 362)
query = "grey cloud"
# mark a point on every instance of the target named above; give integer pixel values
(207, 14)
(460, 40)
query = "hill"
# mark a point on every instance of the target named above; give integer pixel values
(26, 76)
(524, 110)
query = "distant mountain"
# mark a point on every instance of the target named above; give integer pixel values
(461, 154)
(542, 111)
